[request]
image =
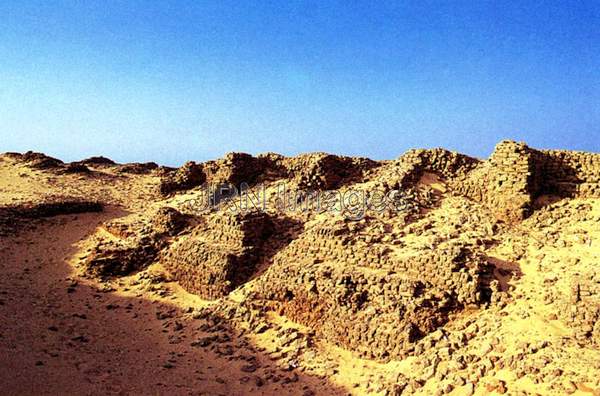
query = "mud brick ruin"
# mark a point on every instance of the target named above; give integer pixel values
(515, 175)
(322, 171)
(582, 311)
(359, 295)
(218, 255)
(341, 278)
(135, 244)
(355, 283)
(190, 175)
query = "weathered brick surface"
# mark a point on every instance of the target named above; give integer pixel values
(581, 309)
(515, 175)
(235, 168)
(188, 176)
(358, 295)
(352, 282)
(569, 173)
(138, 242)
(320, 171)
(218, 255)
(503, 182)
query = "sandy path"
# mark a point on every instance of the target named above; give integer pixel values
(62, 335)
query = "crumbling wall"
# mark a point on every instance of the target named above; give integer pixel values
(137, 243)
(569, 173)
(41, 161)
(13, 217)
(352, 290)
(118, 260)
(447, 164)
(188, 176)
(581, 310)
(235, 168)
(138, 168)
(320, 171)
(218, 255)
(515, 175)
(513, 180)
(505, 182)
(375, 315)
(404, 172)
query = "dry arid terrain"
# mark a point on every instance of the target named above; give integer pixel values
(434, 273)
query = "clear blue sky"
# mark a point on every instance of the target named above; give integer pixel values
(172, 81)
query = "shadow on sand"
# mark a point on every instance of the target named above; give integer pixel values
(61, 335)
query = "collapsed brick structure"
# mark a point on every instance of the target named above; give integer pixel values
(404, 172)
(582, 312)
(137, 243)
(76, 168)
(137, 168)
(571, 282)
(320, 171)
(447, 164)
(350, 281)
(568, 173)
(40, 161)
(317, 171)
(218, 255)
(357, 292)
(188, 176)
(107, 261)
(515, 175)
(234, 169)
(97, 161)
(504, 182)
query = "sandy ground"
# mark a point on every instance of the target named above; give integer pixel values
(63, 335)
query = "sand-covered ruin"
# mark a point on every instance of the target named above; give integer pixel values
(434, 273)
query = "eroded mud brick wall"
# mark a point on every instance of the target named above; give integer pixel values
(188, 176)
(504, 182)
(218, 255)
(404, 172)
(365, 311)
(581, 310)
(235, 168)
(515, 175)
(569, 173)
(513, 180)
(354, 292)
(447, 164)
(320, 171)
(136, 243)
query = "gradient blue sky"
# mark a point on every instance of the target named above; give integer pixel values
(180, 80)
